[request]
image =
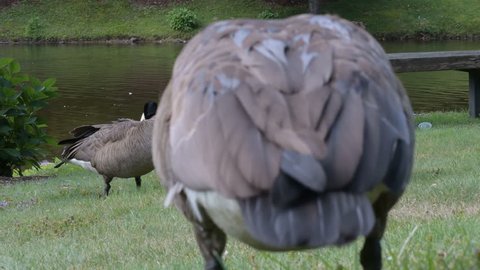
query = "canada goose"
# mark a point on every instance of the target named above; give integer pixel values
(119, 149)
(286, 134)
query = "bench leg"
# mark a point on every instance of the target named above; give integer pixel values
(474, 92)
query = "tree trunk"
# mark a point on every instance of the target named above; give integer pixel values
(314, 6)
(6, 170)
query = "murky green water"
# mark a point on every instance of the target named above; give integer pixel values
(100, 83)
(97, 83)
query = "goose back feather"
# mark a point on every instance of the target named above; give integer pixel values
(119, 149)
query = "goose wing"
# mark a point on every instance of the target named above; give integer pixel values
(127, 152)
(89, 139)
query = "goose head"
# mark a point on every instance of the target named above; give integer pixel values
(149, 110)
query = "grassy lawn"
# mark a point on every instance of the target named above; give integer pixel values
(64, 20)
(62, 223)
(111, 19)
(412, 18)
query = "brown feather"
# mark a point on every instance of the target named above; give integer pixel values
(119, 149)
(283, 84)
(287, 117)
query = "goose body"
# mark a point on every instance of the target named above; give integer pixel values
(287, 134)
(119, 149)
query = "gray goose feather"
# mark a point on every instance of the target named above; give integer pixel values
(287, 134)
(118, 149)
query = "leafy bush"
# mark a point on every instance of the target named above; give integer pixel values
(22, 133)
(182, 19)
(34, 28)
(268, 14)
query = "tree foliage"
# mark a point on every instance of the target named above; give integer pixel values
(182, 19)
(34, 28)
(268, 14)
(22, 133)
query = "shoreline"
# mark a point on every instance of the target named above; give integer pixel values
(114, 41)
(421, 37)
(145, 21)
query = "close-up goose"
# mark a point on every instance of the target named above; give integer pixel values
(285, 134)
(118, 149)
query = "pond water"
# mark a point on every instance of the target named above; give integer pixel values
(100, 83)
(96, 83)
(438, 90)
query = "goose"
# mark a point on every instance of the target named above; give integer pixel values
(286, 134)
(118, 149)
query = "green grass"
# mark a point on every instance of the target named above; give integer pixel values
(62, 223)
(91, 20)
(57, 20)
(413, 18)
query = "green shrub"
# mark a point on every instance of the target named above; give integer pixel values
(182, 19)
(22, 133)
(34, 28)
(268, 14)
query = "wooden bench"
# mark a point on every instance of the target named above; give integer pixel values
(468, 61)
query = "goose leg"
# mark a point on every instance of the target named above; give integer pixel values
(138, 181)
(371, 254)
(107, 181)
(210, 239)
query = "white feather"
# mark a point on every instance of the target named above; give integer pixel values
(239, 36)
(224, 212)
(307, 58)
(273, 49)
(177, 188)
(84, 164)
(336, 27)
(227, 82)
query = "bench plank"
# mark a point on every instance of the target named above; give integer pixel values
(433, 61)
